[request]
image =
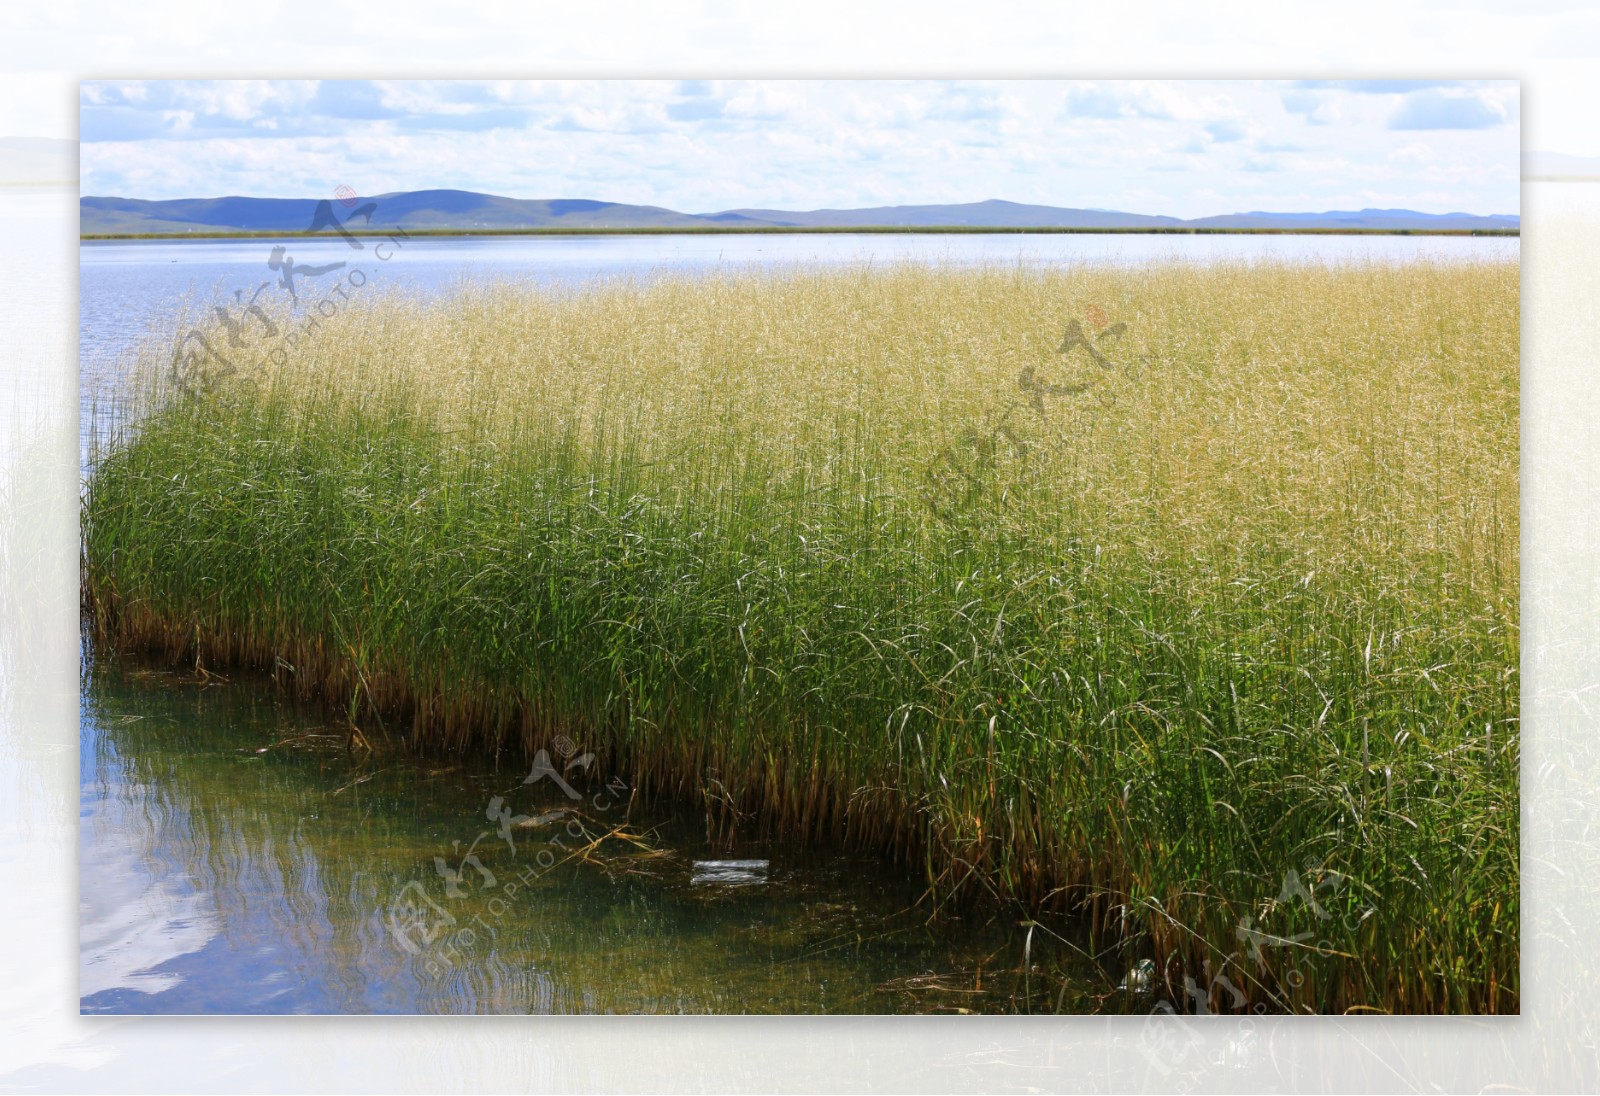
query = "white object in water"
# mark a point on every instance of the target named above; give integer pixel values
(1140, 978)
(729, 872)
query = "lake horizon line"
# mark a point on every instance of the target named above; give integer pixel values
(820, 230)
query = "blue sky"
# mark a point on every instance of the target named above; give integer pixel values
(1184, 148)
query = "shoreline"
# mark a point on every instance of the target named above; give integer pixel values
(816, 230)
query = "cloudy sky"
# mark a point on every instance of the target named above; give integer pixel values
(1182, 148)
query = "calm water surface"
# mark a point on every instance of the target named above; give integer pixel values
(237, 857)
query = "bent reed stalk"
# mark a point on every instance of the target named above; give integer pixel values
(1212, 641)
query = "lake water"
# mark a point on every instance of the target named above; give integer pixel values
(237, 857)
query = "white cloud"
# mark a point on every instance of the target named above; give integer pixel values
(1109, 99)
(764, 101)
(1417, 152)
(1226, 131)
(1433, 109)
(701, 146)
(178, 122)
(1319, 108)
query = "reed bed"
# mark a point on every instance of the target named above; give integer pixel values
(1210, 640)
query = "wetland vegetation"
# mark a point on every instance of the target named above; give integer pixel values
(1179, 600)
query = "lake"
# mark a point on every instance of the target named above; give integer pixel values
(237, 856)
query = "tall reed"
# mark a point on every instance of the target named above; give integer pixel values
(1212, 640)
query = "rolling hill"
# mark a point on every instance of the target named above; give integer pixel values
(462, 210)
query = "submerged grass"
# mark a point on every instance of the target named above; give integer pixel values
(1211, 640)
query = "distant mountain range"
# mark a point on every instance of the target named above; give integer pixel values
(461, 210)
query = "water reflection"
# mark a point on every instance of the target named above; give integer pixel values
(238, 858)
(132, 918)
